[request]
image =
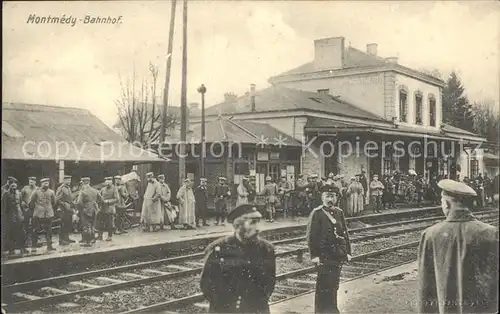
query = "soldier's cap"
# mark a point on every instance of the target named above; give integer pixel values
(203, 179)
(108, 178)
(454, 188)
(313, 176)
(268, 178)
(44, 180)
(222, 179)
(12, 179)
(118, 177)
(67, 177)
(338, 177)
(149, 174)
(85, 179)
(32, 178)
(161, 176)
(330, 175)
(187, 180)
(283, 176)
(245, 178)
(330, 188)
(243, 211)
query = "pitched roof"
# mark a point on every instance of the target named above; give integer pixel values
(236, 131)
(35, 131)
(278, 98)
(355, 58)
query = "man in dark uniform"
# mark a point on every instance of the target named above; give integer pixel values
(240, 269)
(329, 247)
(121, 205)
(458, 258)
(110, 197)
(88, 204)
(64, 202)
(301, 195)
(222, 196)
(201, 198)
(13, 235)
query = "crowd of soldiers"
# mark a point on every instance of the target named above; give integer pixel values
(457, 274)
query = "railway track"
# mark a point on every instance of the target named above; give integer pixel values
(66, 291)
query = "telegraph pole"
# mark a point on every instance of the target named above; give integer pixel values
(167, 74)
(202, 90)
(182, 147)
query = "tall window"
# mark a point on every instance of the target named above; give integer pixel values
(403, 105)
(432, 111)
(474, 168)
(418, 108)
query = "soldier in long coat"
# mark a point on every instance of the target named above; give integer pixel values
(201, 199)
(152, 213)
(13, 234)
(42, 202)
(221, 197)
(121, 205)
(166, 195)
(240, 270)
(352, 198)
(284, 190)
(187, 210)
(243, 192)
(64, 201)
(110, 197)
(329, 247)
(270, 192)
(300, 192)
(87, 203)
(26, 192)
(458, 258)
(376, 190)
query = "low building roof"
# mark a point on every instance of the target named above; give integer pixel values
(277, 98)
(236, 131)
(39, 132)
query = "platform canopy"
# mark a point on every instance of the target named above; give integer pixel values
(39, 132)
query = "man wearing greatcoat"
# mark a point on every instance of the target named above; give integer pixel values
(121, 205)
(64, 201)
(458, 258)
(42, 202)
(240, 270)
(222, 197)
(329, 248)
(26, 192)
(201, 202)
(110, 197)
(13, 234)
(87, 203)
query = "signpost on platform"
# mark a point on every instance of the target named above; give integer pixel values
(182, 144)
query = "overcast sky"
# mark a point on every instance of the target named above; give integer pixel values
(232, 44)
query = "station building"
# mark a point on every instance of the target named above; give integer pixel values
(353, 110)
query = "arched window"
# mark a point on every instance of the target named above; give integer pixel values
(432, 110)
(418, 108)
(403, 104)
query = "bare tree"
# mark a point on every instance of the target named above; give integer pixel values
(486, 120)
(139, 116)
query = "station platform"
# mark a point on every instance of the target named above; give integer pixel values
(389, 291)
(136, 238)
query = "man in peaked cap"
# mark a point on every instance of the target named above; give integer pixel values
(42, 203)
(121, 205)
(222, 196)
(201, 198)
(13, 235)
(64, 202)
(88, 202)
(110, 196)
(458, 258)
(26, 192)
(329, 247)
(240, 270)
(152, 214)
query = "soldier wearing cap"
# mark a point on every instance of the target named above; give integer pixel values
(301, 195)
(26, 192)
(313, 191)
(6, 186)
(121, 205)
(88, 202)
(240, 270)
(166, 195)
(270, 193)
(42, 203)
(13, 235)
(152, 214)
(201, 201)
(329, 248)
(222, 196)
(110, 196)
(64, 202)
(458, 258)
(187, 209)
(284, 192)
(243, 191)
(376, 190)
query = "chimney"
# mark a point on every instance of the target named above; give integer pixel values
(372, 49)
(329, 53)
(392, 60)
(252, 97)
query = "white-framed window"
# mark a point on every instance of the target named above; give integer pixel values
(419, 108)
(432, 110)
(403, 104)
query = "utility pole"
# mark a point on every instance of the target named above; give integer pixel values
(167, 75)
(182, 147)
(202, 90)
